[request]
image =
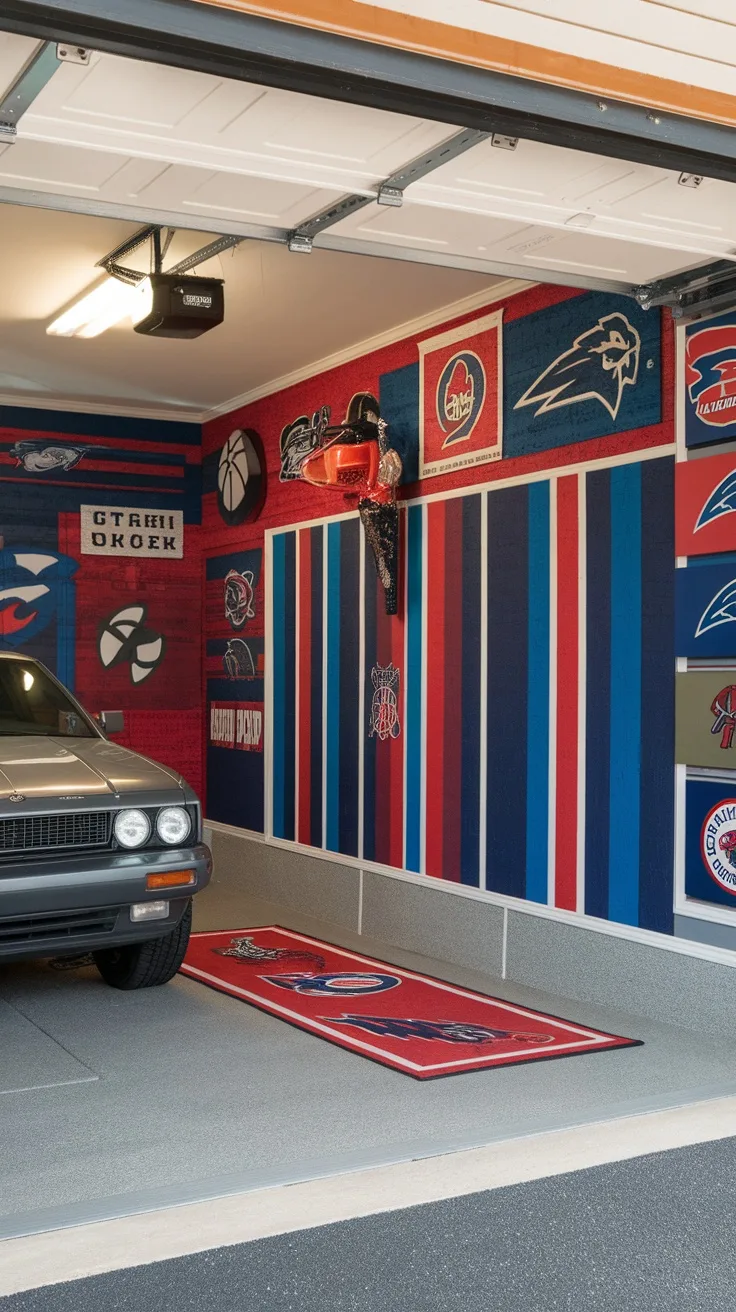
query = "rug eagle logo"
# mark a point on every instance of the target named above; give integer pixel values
(385, 703)
(710, 373)
(446, 1031)
(722, 501)
(461, 391)
(718, 844)
(341, 985)
(599, 365)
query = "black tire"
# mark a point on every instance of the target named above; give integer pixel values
(146, 965)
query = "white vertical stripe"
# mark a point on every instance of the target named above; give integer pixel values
(680, 803)
(482, 836)
(268, 691)
(582, 699)
(325, 584)
(360, 901)
(504, 941)
(423, 781)
(361, 694)
(297, 626)
(552, 784)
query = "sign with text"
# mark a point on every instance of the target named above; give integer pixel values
(460, 374)
(237, 724)
(124, 531)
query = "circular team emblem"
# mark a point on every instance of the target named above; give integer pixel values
(718, 844)
(460, 395)
(241, 477)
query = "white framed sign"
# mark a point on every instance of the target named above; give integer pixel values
(126, 531)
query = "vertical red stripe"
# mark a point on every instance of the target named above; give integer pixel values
(435, 686)
(396, 826)
(567, 694)
(452, 801)
(304, 648)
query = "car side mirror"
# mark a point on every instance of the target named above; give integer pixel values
(112, 721)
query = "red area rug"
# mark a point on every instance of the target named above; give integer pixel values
(412, 1023)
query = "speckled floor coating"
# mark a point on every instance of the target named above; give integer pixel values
(650, 1235)
(198, 1095)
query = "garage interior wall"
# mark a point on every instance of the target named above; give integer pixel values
(533, 753)
(59, 468)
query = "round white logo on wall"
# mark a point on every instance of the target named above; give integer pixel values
(241, 477)
(718, 844)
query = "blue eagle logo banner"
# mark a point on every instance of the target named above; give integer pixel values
(586, 367)
(722, 501)
(705, 611)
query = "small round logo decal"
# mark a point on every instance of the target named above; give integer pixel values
(16, 797)
(718, 844)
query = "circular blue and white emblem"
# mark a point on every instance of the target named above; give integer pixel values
(718, 844)
(461, 392)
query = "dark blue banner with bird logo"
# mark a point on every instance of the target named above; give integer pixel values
(705, 598)
(586, 367)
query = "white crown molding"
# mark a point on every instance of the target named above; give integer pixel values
(478, 301)
(69, 406)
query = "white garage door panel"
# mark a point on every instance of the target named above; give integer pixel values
(280, 204)
(479, 237)
(33, 163)
(15, 51)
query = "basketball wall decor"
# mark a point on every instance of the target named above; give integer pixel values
(241, 477)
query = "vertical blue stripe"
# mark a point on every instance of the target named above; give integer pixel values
(508, 636)
(656, 842)
(624, 835)
(315, 763)
(279, 627)
(332, 709)
(413, 675)
(350, 675)
(537, 724)
(598, 691)
(66, 634)
(470, 708)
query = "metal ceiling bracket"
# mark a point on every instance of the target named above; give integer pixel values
(391, 190)
(217, 247)
(71, 54)
(695, 292)
(23, 91)
(152, 232)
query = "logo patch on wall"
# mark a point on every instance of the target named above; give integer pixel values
(384, 721)
(238, 590)
(705, 502)
(42, 457)
(238, 662)
(718, 844)
(597, 367)
(241, 478)
(33, 587)
(705, 611)
(710, 380)
(124, 637)
(460, 422)
(723, 708)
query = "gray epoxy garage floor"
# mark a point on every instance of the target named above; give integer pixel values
(111, 1102)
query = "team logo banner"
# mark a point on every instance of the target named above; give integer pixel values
(710, 380)
(705, 506)
(705, 611)
(706, 718)
(586, 367)
(460, 419)
(710, 841)
(413, 1023)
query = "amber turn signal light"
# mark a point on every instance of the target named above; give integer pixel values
(170, 879)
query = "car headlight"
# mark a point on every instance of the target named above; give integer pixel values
(131, 828)
(173, 824)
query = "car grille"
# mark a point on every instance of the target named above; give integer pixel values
(38, 833)
(57, 925)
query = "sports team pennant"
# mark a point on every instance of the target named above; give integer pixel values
(413, 1023)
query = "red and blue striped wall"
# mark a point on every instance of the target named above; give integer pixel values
(534, 648)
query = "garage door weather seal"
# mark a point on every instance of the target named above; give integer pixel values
(421, 1026)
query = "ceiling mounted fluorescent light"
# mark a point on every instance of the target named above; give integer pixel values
(109, 303)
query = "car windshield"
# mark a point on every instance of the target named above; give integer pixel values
(30, 702)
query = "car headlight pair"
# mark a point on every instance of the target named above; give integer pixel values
(133, 828)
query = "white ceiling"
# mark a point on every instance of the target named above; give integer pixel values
(283, 313)
(135, 142)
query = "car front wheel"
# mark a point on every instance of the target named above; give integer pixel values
(146, 965)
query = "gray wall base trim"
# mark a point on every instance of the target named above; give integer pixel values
(566, 959)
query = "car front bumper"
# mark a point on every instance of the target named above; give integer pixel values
(79, 904)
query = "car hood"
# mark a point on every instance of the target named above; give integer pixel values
(76, 769)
